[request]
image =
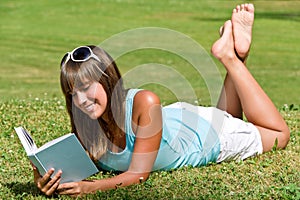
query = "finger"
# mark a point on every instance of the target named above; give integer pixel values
(53, 188)
(36, 175)
(55, 178)
(35, 171)
(66, 189)
(52, 185)
(42, 181)
(33, 166)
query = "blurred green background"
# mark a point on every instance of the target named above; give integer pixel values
(34, 35)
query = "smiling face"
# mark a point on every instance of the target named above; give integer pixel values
(90, 94)
(90, 98)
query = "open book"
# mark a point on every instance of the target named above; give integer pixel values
(64, 153)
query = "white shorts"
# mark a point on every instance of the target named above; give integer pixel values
(238, 139)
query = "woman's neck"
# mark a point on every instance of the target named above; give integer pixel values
(118, 143)
(117, 139)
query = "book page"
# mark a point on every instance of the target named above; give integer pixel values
(26, 140)
(52, 142)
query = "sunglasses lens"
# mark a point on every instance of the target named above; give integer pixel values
(63, 60)
(81, 53)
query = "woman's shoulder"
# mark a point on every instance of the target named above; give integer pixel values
(146, 97)
(145, 105)
(143, 102)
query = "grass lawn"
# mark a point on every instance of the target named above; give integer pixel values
(34, 35)
(274, 175)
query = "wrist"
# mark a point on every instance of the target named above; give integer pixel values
(89, 186)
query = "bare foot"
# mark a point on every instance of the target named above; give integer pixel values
(242, 22)
(223, 48)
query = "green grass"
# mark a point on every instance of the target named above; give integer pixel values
(34, 35)
(273, 175)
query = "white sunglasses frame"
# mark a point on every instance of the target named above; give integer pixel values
(92, 55)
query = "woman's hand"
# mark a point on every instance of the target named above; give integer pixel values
(45, 183)
(49, 185)
(75, 188)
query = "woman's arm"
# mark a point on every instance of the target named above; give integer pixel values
(147, 125)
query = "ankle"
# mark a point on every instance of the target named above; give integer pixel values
(242, 58)
(229, 60)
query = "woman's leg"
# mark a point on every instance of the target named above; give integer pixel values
(229, 100)
(256, 105)
(242, 21)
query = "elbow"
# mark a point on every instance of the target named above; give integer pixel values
(285, 137)
(131, 177)
(140, 178)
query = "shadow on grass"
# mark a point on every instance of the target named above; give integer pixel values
(282, 16)
(259, 15)
(23, 189)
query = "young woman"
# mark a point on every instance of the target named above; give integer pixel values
(129, 131)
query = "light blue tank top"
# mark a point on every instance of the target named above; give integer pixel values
(187, 139)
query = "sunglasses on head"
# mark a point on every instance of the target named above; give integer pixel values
(80, 54)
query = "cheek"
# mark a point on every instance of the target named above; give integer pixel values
(101, 96)
(104, 99)
(75, 101)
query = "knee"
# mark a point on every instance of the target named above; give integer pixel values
(284, 138)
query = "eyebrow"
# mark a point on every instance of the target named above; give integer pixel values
(81, 84)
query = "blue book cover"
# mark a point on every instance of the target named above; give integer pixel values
(64, 153)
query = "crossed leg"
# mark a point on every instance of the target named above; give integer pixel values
(241, 93)
(242, 21)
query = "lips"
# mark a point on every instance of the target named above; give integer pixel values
(90, 107)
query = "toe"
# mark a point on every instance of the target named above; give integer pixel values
(221, 31)
(227, 26)
(249, 7)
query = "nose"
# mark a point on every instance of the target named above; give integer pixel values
(81, 98)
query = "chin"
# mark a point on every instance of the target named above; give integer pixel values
(92, 116)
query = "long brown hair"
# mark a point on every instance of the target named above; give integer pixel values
(95, 135)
